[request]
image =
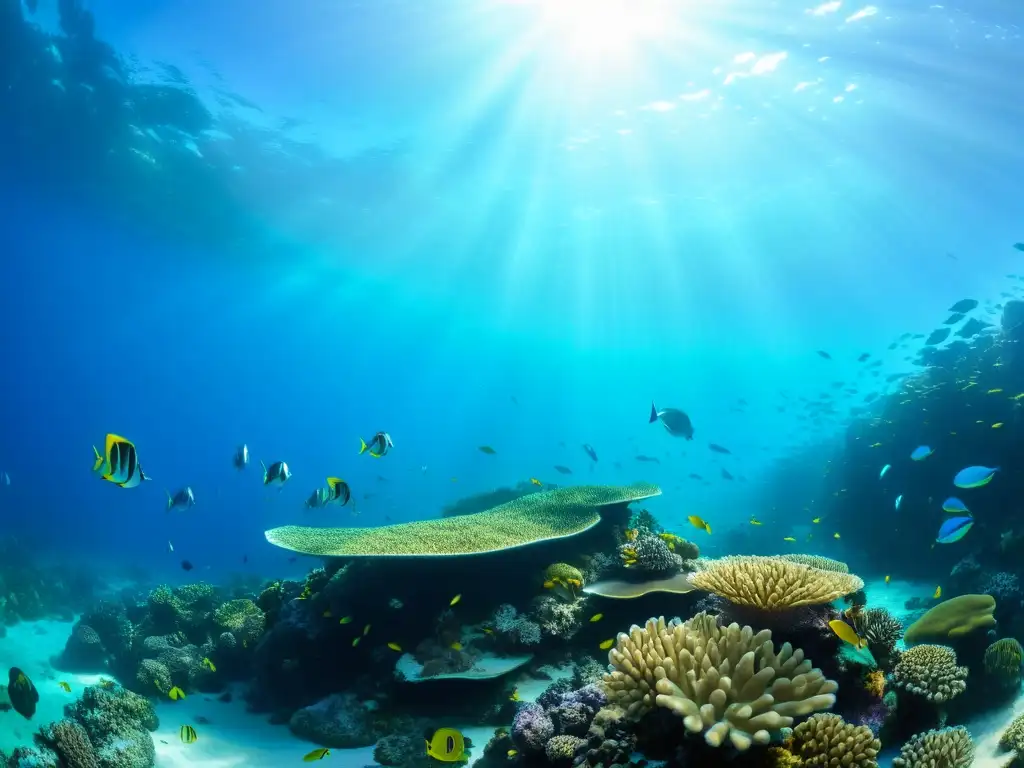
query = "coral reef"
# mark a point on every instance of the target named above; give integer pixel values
(930, 671)
(557, 723)
(1003, 660)
(945, 748)
(564, 580)
(726, 682)
(825, 740)
(514, 628)
(340, 720)
(772, 584)
(881, 630)
(649, 554)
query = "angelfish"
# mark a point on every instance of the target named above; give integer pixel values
(277, 474)
(183, 499)
(378, 446)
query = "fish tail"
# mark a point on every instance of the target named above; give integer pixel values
(362, 446)
(654, 413)
(99, 460)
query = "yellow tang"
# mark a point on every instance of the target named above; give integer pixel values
(344, 619)
(596, 617)
(887, 578)
(754, 521)
(606, 644)
(447, 745)
(846, 633)
(209, 665)
(64, 686)
(188, 734)
(938, 593)
(316, 754)
(535, 481)
(455, 600)
(176, 693)
(456, 646)
(698, 522)
(816, 520)
(835, 535)
(789, 538)
(395, 647)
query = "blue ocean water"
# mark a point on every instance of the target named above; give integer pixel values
(504, 223)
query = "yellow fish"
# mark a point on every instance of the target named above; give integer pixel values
(64, 687)
(835, 535)
(816, 520)
(535, 481)
(456, 646)
(455, 600)
(447, 745)
(106, 683)
(789, 538)
(1018, 397)
(606, 644)
(512, 752)
(327, 614)
(188, 734)
(596, 617)
(209, 665)
(175, 693)
(994, 391)
(887, 578)
(754, 521)
(938, 593)
(355, 641)
(316, 754)
(345, 620)
(515, 695)
(876, 445)
(366, 630)
(395, 647)
(846, 633)
(698, 522)
(997, 425)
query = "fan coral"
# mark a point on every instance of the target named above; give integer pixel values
(772, 584)
(827, 740)
(724, 681)
(818, 561)
(946, 748)
(1003, 661)
(649, 553)
(952, 618)
(930, 671)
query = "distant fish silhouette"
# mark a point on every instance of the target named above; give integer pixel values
(718, 448)
(563, 470)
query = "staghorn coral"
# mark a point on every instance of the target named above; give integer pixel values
(945, 748)
(826, 740)
(541, 516)
(1003, 660)
(772, 584)
(951, 619)
(818, 561)
(723, 681)
(930, 671)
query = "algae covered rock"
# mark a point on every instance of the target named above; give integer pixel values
(340, 721)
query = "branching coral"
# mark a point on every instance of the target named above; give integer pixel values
(930, 671)
(772, 584)
(723, 681)
(1003, 660)
(818, 561)
(514, 627)
(557, 618)
(946, 748)
(826, 740)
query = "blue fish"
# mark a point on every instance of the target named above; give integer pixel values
(974, 477)
(885, 469)
(899, 500)
(954, 529)
(953, 505)
(921, 452)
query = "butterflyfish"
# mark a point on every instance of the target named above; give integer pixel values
(846, 633)
(183, 499)
(698, 522)
(446, 745)
(755, 521)
(953, 529)
(276, 474)
(339, 490)
(209, 665)
(835, 535)
(456, 646)
(535, 481)
(888, 578)
(64, 686)
(345, 620)
(241, 460)
(378, 446)
(356, 640)
(816, 520)
(316, 754)
(119, 463)
(188, 734)
(974, 477)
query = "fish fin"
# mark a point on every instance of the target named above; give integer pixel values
(362, 446)
(376, 455)
(99, 460)
(654, 413)
(333, 481)
(170, 501)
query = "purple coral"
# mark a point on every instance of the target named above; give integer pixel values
(531, 728)
(1003, 586)
(515, 627)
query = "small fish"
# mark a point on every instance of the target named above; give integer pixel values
(366, 630)
(816, 520)
(278, 473)
(888, 578)
(997, 425)
(395, 647)
(590, 451)
(447, 745)
(921, 453)
(456, 646)
(964, 305)
(186, 565)
(864, 356)
(175, 693)
(676, 422)
(953, 506)
(755, 521)
(596, 617)
(938, 593)
(487, 449)
(515, 695)
(885, 469)
(318, 498)
(719, 448)
(356, 640)
(562, 470)
(788, 538)
(170, 546)
(835, 535)
(877, 445)
(953, 529)
(726, 475)
(209, 665)
(188, 734)
(119, 463)
(824, 355)
(5, 479)
(698, 522)
(847, 634)
(241, 460)
(974, 477)
(995, 391)
(535, 481)
(345, 620)
(64, 686)
(339, 491)
(316, 754)
(648, 459)
(607, 644)
(379, 445)
(183, 499)
(899, 500)
(455, 600)
(512, 753)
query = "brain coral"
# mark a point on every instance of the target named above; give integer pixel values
(952, 618)
(930, 671)
(772, 584)
(527, 520)
(946, 748)
(723, 681)
(827, 740)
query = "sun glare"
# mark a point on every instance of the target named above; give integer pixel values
(589, 29)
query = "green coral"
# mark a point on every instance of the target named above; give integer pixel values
(946, 748)
(242, 618)
(564, 579)
(199, 595)
(152, 677)
(1003, 660)
(951, 619)
(527, 520)
(271, 600)
(116, 721)
(166, 611)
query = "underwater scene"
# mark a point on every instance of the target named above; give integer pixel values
(511, 384)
